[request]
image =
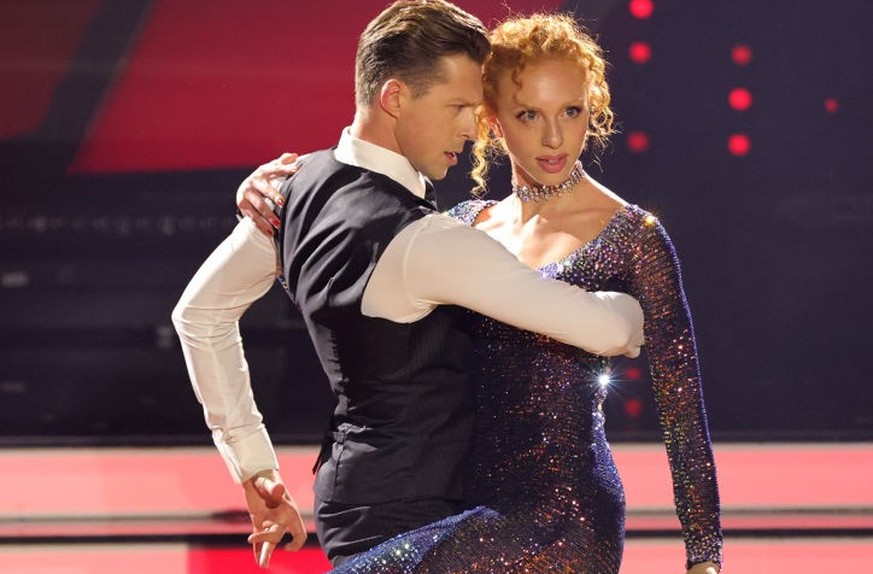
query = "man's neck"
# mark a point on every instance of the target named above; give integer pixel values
(369, 126)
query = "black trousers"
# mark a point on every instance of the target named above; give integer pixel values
(345, 530)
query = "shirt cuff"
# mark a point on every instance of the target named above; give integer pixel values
(248, 455)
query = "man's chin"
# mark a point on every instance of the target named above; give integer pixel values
(435, 175)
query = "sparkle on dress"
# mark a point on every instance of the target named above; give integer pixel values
(544, 491)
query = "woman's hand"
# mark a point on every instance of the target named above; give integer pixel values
(259, 193)
(704, 568)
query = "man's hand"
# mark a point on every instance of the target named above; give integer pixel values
(273, 513)
(259, 192)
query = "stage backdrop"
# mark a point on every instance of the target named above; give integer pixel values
(125, 128)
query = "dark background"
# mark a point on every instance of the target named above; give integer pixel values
(125, 127)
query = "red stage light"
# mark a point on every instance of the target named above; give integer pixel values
(740, 99)
(633, 374)
(831, 105)
(640, 52)
(739, 144)
(638, 142)
(633, 408)
(741, 54)
(641, 9)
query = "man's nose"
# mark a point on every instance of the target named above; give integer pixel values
(468, 124)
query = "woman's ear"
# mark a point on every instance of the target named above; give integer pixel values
(391, 96)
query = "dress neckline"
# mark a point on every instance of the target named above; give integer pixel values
(613, 219)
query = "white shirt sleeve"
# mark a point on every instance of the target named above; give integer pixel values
(240, 271)
(438, 260)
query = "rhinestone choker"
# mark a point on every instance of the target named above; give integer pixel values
(538, 192)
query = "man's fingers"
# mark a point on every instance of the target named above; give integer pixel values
(297, 530)
(265, 541)
(298, 539)
(270, 491)
(265, 554)
(258, 549)
(272, 533)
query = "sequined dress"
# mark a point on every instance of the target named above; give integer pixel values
(544, 491)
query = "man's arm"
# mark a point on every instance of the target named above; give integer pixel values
(438, 260)
(240, 271)
(469, 269)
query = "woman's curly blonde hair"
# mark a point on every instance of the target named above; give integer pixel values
(521, 41)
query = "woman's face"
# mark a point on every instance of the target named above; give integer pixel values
(543, 121)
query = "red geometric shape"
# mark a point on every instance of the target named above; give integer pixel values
(638, 141)
(633, 408)
(38, 41)
(739, 145)
(740, 99)
(633, 374)
(241, 561)
(641, 9)
(640, 52)
(741, 54)
(221, 83)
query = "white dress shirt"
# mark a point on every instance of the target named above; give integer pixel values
(432, 261)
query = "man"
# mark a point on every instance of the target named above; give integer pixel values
(374, 271)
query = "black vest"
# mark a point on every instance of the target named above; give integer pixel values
(401, 427)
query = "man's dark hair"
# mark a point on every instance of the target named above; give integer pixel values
(408, 41)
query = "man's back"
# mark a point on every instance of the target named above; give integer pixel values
(401, 426)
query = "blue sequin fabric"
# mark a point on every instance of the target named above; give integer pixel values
(544, 491)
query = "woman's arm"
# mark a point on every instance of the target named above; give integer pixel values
(672, 352)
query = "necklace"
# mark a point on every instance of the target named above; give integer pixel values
(538, 192)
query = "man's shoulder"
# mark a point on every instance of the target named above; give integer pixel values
(324, 165)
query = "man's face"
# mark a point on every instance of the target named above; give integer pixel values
(432, 128)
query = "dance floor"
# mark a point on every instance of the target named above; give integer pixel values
(799, 508)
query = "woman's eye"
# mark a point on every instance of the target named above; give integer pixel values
(527, 116)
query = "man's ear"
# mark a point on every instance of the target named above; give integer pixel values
(392, 96)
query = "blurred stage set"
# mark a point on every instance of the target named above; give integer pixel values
(126, 125)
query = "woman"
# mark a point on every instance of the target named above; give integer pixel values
(544, 490)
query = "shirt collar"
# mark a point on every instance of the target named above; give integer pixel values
(360, 153)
